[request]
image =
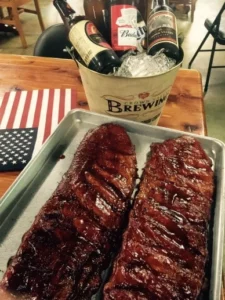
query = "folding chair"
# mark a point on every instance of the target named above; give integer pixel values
(14, 8)
(218, 33)
(53, 42)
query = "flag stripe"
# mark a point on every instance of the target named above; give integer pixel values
(13, 110)
(26, 110)
(8, 109)
(73, 99)
(61, 105)
(55, 111)
(67, 101)
(48, 123)
(38, 109)
(31, 113)
(3, 106)
(1, 99)
(42, 120)
(19, 110)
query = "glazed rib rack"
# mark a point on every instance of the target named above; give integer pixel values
(164, 250)
(71, 240)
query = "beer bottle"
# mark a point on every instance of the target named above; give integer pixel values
(123, 22)
(94, 51)
(162, 30)
(96, 11)
(142, 6)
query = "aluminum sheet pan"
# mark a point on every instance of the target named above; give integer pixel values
(39, 179)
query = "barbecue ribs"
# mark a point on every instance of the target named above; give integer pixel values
(71, 240)
(164, 249)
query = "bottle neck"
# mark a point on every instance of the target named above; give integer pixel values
(66, 12)
(155, 3)
(162, 2)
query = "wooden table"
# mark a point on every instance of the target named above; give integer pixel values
(184, 109)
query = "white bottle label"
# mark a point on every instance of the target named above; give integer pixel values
(87, 40)
(162, 27)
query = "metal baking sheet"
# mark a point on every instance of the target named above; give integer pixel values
(40, 178)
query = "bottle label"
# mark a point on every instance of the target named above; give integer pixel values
(123, 27)
(141, 32)
(162, 27)
(87, 40)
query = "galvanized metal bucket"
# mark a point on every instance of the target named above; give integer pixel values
(139, 99)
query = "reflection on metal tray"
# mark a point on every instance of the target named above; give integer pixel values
(39, 179)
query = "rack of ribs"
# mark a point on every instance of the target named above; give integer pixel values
(70, 243)
(164, 250)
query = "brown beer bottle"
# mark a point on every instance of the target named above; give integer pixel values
(123, 22)
(96, 11)
(162, 30)
(94, 51)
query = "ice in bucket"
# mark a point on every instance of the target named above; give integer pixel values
(142, 64)
(139, 99)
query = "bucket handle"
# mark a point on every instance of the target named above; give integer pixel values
(71, 52)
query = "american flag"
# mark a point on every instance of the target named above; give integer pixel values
(34, 114)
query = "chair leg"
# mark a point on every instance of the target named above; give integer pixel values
(9, 10)
(210, 66)
(36, 3)
(199, 48)
(18, 25)
(1, 13)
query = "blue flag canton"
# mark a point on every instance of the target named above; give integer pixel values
(16, 148)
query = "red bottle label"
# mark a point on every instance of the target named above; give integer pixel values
(162, 27)
(123, 27)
